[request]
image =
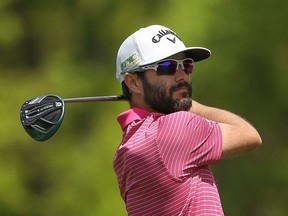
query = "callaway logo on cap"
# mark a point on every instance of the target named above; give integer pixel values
(152, 44)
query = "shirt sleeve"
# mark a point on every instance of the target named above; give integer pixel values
(187, 141)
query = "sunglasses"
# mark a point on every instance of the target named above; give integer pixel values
(170, 66)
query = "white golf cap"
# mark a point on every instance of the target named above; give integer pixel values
(151, 44)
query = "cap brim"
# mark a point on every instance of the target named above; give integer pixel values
(197, 53)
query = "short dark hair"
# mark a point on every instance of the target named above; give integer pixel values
(125, 89)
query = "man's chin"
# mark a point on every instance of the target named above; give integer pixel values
(183, 104)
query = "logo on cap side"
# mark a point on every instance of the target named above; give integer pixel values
(130, 62)
(162, 33)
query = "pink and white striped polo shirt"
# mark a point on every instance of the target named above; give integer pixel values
(162, 163)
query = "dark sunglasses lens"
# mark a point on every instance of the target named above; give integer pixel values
(188, 66)
(167, 67)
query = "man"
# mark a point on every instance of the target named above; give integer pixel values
(170, 140)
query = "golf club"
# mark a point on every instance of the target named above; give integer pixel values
(42, 116)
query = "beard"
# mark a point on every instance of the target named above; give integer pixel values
(155, 96)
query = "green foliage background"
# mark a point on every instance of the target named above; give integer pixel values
(68, 48)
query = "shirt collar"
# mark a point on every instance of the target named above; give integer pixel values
(131, 115)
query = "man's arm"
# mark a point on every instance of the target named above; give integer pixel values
(238, 135)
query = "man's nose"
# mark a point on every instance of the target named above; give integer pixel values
(181, 75)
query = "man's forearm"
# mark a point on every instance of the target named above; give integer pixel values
(216, 114)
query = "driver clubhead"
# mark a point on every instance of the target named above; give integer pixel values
(42, 116)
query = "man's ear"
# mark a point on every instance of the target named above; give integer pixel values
(133, 82)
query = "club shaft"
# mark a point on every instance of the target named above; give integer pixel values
(94, 99)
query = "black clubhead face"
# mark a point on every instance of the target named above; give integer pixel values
(42, 116)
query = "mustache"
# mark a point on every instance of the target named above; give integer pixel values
(181, 85)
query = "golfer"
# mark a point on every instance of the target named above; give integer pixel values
(169, 140)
